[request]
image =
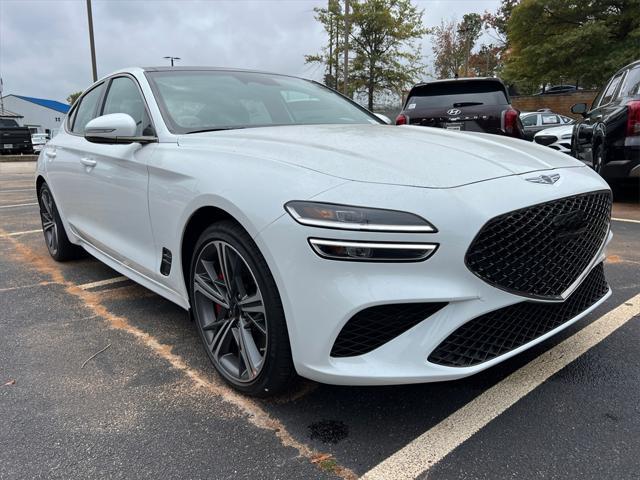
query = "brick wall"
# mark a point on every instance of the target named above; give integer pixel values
(557, 103)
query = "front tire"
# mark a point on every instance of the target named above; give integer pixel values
(238, 312)
(55, 237)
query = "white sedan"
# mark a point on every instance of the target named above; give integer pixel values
(558, 138)
(305, 236)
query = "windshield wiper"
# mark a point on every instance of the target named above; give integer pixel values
(218, 129)
(467, 104)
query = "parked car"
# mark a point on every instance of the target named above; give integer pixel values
(462, 104)
(14, 138)
(559, 89)
(608, 136)
(533, 122)
(558, 138)
(39, 140)
(306, 236)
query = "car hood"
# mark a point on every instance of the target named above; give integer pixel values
(412, 156)
(557, 131)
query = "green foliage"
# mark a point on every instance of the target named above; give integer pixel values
(585, 41)
(385, 54)
(453, 43)
(73, 97)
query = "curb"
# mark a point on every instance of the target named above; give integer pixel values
(18, 158)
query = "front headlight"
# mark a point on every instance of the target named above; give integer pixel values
(566, 136)
(345, 217)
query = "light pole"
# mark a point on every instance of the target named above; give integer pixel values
(91, 42)
(172, 59)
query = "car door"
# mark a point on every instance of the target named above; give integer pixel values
(585, 129)
(110, 192)
(115, 213)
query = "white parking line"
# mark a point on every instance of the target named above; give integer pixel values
(19, 205)
(100, 283)
(625, 220)
(32, 189)
(432, 446)
(15, 234)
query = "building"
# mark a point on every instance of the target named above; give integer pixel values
(39, 114)
(9, 115)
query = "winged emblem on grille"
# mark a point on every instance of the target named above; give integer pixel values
(545, 179)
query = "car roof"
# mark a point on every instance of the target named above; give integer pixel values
(208, 69)
(459, 80)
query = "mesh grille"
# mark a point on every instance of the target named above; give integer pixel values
(375, 326)
(545, 139)
(540, 251)
(498, 332)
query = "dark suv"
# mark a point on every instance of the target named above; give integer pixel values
(608, 136)
(471, 104)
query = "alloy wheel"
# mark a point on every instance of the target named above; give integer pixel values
(230, 311)
(49, 226)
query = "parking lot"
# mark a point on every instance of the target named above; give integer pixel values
(100, 377)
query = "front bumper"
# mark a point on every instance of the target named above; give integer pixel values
(319, 296)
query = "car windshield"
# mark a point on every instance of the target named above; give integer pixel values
(196, 101)
(457, 94)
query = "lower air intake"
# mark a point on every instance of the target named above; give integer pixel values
(375, 326)
(498, 332)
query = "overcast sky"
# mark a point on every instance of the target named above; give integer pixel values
(44, 44)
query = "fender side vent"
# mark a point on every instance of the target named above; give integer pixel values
(165, 264)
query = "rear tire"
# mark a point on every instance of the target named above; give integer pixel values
(55, 237)
(238, 312)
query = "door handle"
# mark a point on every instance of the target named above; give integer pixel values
(88, 162)
(50, 153)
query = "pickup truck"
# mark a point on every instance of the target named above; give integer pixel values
(14, 138)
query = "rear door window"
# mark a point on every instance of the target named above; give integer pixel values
(530, 120)
(453, 94)
(631, 84)
(86, 110)
(611, 89)
(550, 120)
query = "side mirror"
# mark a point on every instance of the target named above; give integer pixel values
(384, 118)
(579, 108)
(115, 128)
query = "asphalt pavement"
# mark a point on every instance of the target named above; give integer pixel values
(100, 378)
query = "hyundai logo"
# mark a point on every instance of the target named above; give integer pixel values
(453, 111)
(546, 179)
(570, 224)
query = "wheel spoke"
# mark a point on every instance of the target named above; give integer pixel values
(47, 224)
(210, 291)
(221, 337)
(223, 259)
(248, 350)
(252, 303)
(255, 323)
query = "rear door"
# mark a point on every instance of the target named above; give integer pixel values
(473, 105)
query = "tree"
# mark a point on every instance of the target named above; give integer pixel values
(446, 48)
(469, 32)
(582, 41)
(71, 99)
(453, 43)
(486, 61)
(385, 55)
